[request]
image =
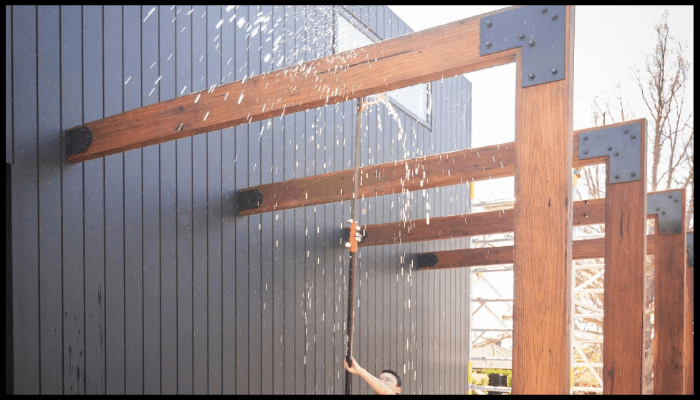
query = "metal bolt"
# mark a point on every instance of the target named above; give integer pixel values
(670, 196)
(531, 43)
(543, 10)
(633, 136)
(625, 131)
(663, 212)
(663, 230)
(585, 152)
(585, 138)
(555, 17)
(657, 209)
(632, 174)
(530, 76)
(489, 24)
(488, 45)
(675, 201)
(617, 154)
(617, 176)
(521, 37)
(609, 148)
(554, 71)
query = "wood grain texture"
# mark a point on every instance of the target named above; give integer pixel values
(586, 212)
(689, 329)
(623, 324)
(580, 250)
(542, 228)
(669, 316)
(452, 168)
(419, 57)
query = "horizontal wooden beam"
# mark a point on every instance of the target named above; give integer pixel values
(586, 212)
(419, 57)
(453, 168)
(581, 249)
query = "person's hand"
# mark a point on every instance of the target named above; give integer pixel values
(355, 369)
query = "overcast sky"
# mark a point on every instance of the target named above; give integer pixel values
(609, 43)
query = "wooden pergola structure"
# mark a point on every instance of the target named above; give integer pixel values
(540, 40)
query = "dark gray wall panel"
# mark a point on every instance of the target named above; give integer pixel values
(8, 85)
(137, 271)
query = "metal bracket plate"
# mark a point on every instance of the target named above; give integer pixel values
(689, 247)
(77, 141)
(539, 30)
(621, 143)
(249, 199)
(426, 260)
(669, 209)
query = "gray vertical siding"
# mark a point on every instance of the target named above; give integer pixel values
(133, 273)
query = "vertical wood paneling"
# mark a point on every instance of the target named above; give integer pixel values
(200, 283)
(168, 207)
(113, 294)
(94, 204)
(50, 301)
(212, 58)
(165, 289)
(228, 221)
(25, 235)
(183, 201)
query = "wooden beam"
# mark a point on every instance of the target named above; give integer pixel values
(624, 300)
(689, 323)
(466, 258)
(452, 168)
(669, 308)
(419, 57)
(586, 212)
(542, 227)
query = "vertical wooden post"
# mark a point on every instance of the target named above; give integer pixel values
(669, 307)
(625, 253)
(542, 226)
(689, 323)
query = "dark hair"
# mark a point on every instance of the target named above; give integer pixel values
(391, 371)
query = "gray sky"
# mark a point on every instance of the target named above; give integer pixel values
(609, 43)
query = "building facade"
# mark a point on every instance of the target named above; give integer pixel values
(133, 273)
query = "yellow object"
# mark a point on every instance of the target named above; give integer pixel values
(471, 190)
(577, 174)
(571, 382)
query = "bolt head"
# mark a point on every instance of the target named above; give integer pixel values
(663, 230)
(617, 154)
(554, 71)
(489, 24)
(585, 152)
(543, 10)
(675, 201)
(632, 174)
(488, 45)
(617, 176)
(633, 136)
(531, 43)
(663, 212)
(625, 131)
(585, 138)
(555, 17)
(531, 76)
(657, 209)
(521, 37)
(609, 148)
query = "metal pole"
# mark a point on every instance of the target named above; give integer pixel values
(353, 248)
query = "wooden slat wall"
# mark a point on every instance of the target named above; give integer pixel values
(133, 273)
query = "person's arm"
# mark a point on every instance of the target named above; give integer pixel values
(378, 386)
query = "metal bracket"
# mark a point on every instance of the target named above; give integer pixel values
(539, 30)
(78, 140)
(689, 247)
(669, 209)
(621, 143)
(426, 260)
(249, 199)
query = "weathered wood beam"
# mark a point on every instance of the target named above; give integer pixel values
(625, 262)
(669, 292)
(419, 57)
(586, 212)
(452, 168)
(466, 258)
(542, 230)
(690, 318)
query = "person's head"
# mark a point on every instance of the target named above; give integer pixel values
(391, 379)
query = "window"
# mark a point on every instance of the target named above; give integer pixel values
(413, 99)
